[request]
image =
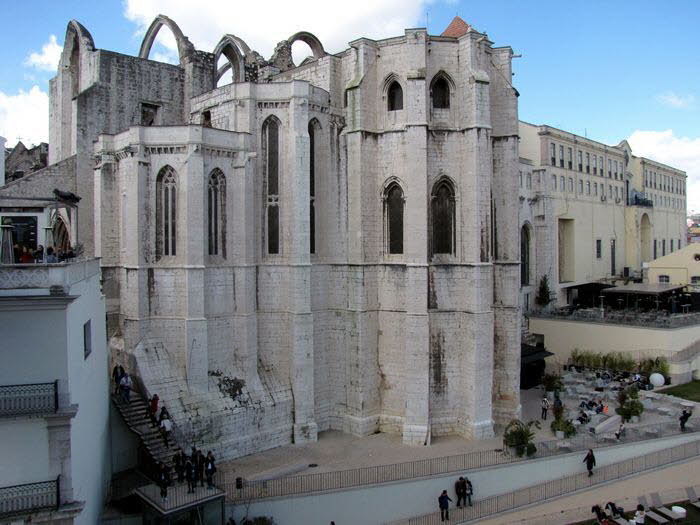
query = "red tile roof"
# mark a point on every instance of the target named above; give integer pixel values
(457, 28)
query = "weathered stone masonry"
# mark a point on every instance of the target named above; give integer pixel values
(265, 343)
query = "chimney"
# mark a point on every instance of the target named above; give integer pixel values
(2, 161)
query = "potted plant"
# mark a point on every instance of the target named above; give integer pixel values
(519, 437)
(562, 428)
(552, 383)
(630, 405)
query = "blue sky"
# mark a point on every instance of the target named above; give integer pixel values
(610, 70)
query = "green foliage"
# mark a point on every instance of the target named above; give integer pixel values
(650, 366)
(629, 402)
(552, 382)
(544, 296)
(689, 391)
(519, 435)
(615, 361)
(564, 425)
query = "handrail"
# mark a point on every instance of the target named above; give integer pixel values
(27, 497)
(29, 399)
(363, 476)
(558, 487)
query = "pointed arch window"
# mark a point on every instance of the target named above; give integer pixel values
(395, 96)
(270, 135)
(217, 213)
(166, 212)
(524, 256)
(314, 127)
(393, 218)
(442, 204)
(441, 93)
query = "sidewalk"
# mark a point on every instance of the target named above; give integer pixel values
(671, 480)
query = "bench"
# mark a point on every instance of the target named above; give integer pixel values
(610, 424)
(655, 517)
(621, 521)
(658, 506)
(692, 497)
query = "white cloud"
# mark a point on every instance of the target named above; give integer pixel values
(25, 115)
(47, 59)
(671, 99)
(264, 23)
(679, 152)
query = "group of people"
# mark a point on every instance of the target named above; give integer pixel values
(464, 491)
(545, 405)
(161, 420)
(23, 254)
(122, 383)
(595, 406)
(612, 513)
(193, 469)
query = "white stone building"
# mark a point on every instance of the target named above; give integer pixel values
(328, 246)
(54, 405)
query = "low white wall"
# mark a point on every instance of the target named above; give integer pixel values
(561, 337)
(383, 503)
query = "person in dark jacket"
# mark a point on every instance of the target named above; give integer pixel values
(209, 469)
(444, 504)
(461, 491)
(179, 466)
(153, 409)
(685, 416)
(589, 460)
(163, 481)
(190, 475)
(200, 467)
(117, 373)
(470, 491)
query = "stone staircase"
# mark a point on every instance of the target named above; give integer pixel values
(135, 415)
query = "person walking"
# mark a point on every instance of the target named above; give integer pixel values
(166, 427)
(179, 466)
(200, 467)
(153, 408)
(163, 481)
(470, 491)
(620, 431)
(126, 384)
(685, 416)
(444, 504)
(209, 469)
(117, 373)
(589, 460)
(461, 491)
(545, 407)
(190, 476)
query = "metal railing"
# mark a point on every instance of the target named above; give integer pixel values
(36, 398)
(344, 479)
(551, 489)
(30, 497)
(660, 319)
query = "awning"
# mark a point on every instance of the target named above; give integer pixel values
(530, 354)
(644, 289)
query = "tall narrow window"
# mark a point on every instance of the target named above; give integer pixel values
(561, 156)
(613, 253)
(395, 96)
(441, 93)
(443, 217)
(553, 154)
(393, 218)
(217, 213)
(166, 212)
(270, 135)
(524, 256)
(570, 157)
(314, 126)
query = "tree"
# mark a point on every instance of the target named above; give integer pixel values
(543, 297)
(630, 405)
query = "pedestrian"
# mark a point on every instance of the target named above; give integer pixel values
(163, 481)
(209, 469)
(190, 476)
(50, 256)
(685, 416)
(153, 408)
(545, 407)
(200, 467)
(163, 414)
(444, 504)
(615, 511)
(39, 254)
(640, 515)
(470, 491)
(166, 427)
(589, 460)
(117, 373)
(126, 384)
(620, 431)
(461, 491)
(179, 466)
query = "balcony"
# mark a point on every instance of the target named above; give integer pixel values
(30, 497)
(30, 399)
(641, 201)
(20, 279)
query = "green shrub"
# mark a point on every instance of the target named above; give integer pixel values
(552, 382)
(563, 425)
(629, 402)
(519, 435)
(544, 296)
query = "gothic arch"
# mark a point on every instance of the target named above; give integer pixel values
(184, 46)
(235, 50)
(526, 254)
(216, 213)
(392, 91)
(443, 207)
(78, 40)
(271, 141)
(394, 205)
(166, 212)
(311, 40)
(441, 89)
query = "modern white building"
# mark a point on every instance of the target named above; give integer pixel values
(54, 393)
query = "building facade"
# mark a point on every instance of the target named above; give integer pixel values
(328, 246)
(592, 212)
(54, 399)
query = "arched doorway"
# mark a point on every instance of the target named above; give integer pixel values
(645, 238)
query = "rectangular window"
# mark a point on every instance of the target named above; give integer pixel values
(600, 165)
(609, 167)
(654, 248)
(588, 162)
(571, 185)
(580, 161)
(664, 279)
(615, 170)
(663, 247)
(528, 181)
(521, 179)
(588, 187)
(616, 193)
(561, 156)
(580, 186)
(562, 184)
(613, 269)
(671, 245)
(554, 182)
(571, 158)
(610, 190)
(553, 154)
(598, 248)
(87, 339)
(595, 189)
